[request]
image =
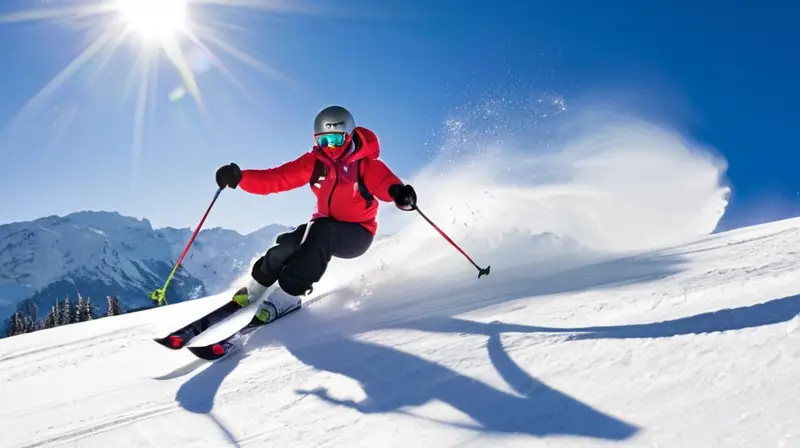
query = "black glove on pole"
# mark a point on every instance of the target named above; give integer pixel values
(229, 176)
(404, 196)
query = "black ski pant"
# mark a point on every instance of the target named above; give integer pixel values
(296, 264)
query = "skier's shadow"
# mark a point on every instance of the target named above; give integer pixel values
(394, 380)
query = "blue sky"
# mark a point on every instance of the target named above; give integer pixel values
(724, 72)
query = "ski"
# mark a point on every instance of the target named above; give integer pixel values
(225, 346)
(178, 339)
(217, 350)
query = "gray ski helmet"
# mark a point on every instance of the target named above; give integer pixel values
(334, 119)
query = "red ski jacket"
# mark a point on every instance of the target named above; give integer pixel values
(334, 182)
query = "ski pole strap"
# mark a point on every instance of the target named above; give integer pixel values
(481, 271)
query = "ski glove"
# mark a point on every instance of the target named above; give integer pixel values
(229, 176)
(404, 196)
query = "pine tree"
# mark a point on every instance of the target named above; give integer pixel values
(65, 317)
(113, 306)
(14, 325)
(90, 315)
(11, 325)
(57, 313)
(51, 320)
(80, 310)
(54, 314)
(19, 324)
(30, 309)
(30, 324)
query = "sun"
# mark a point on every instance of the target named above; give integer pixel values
(154, 20)
(191, 35)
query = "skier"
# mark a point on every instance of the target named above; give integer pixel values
(344, 172)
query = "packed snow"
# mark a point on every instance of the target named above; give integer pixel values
(613, 316)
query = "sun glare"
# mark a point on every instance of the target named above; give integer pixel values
(191, 35)
(154, 19)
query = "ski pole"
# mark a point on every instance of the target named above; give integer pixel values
(481, 271)
(160, 295)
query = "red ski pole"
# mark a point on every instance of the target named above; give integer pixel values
(481, 271)
(160, 295)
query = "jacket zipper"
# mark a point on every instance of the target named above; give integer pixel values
(335, 180)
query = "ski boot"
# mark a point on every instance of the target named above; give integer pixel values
(275, 305)
(248, 294)
(241, 297)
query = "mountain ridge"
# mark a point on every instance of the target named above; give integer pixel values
(101, 253)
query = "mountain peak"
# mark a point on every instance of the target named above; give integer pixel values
(105, 219)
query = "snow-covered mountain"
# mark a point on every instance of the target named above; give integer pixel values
(104, 253)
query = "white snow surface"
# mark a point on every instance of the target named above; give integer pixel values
(689, 346)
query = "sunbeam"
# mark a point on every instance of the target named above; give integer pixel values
(173, 29)
(247, 59)
(94, 48)
(58, 13)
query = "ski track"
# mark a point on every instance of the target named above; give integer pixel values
(705, 355)
(45, 351)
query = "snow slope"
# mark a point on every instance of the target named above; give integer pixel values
(695, 345)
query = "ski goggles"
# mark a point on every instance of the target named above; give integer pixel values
(333, 139)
